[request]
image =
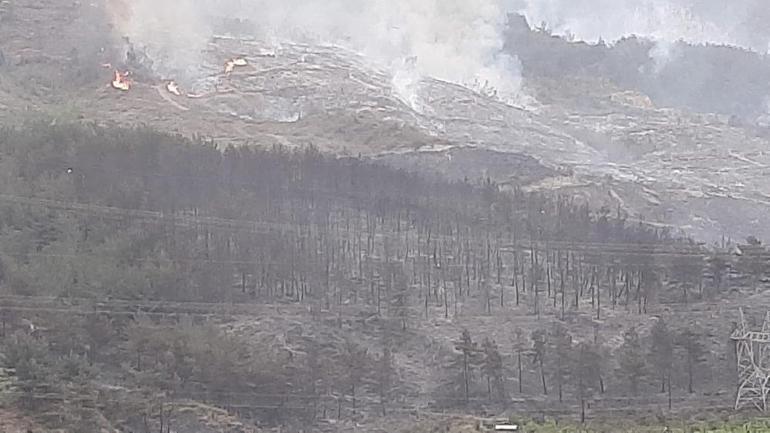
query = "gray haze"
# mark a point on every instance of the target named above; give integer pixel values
(453, 40)
(735, 22)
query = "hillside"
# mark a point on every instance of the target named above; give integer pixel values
(145, 273)
(582, 136)
(296, 245)
(701, 78)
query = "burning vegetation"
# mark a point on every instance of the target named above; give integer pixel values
(121, 81)
(231, 64)
(173, 88)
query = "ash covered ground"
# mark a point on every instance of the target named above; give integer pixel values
(696, 172)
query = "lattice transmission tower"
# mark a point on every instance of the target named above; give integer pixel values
(752, 350)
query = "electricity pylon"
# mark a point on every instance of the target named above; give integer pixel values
(752, 351)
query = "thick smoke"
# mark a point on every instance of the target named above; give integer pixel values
(454, 40)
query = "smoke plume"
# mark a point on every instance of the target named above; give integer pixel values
(737, 22)
(453, 40)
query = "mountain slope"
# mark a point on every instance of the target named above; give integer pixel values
(581, 136)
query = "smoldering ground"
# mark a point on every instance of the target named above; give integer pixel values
(454, 40)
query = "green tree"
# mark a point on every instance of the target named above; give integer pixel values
(691, 343)
(661, 353)
(399, 301)
(33, 368)
(718, 267)
(539, 340)
(468, 360)
(384, 378)
(586, 368)
(687, 269)
(519, 347)
(631, 361)
(562, 352)
(356, 362)
(99, 331)
(753, 260)
(492, 369)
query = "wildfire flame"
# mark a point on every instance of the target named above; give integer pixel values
(121, 81)
(232, 63)
(173, 88)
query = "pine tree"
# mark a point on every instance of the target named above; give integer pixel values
(661, 353)
(399, 302)
(518, 351)
(586, 369)
(718, 267)
(687, 269)
(631, 365)
(539, 340)
(467, 361)
(753, 260)
(562, 348)
(356, 362)
(492, 368)
(384, 378)
(695, 351)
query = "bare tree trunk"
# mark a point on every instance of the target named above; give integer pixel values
(548, 273)
(598, 298)
(446, 299)
(561, 284)
(516, 287)
(466, 379)
(639, 292)
(520, 376)
(560, 380)
(162, 421)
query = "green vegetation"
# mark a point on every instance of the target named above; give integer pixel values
(700, 77)
(757, 426)
(614, 426)
(617, 426)
(133, 265)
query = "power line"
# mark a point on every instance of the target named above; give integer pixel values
(64, 166)
(164, 309)
(262, 227)
(257, 227)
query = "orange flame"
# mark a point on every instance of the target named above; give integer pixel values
(232, 63)
(173, 88)
(121, 81)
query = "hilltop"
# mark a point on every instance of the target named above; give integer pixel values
(294, 243)
(579, 133)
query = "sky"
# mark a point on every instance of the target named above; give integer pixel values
(734, 22)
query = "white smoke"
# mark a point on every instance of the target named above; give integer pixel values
(737, 22)
(663, 52)
(454, 40)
